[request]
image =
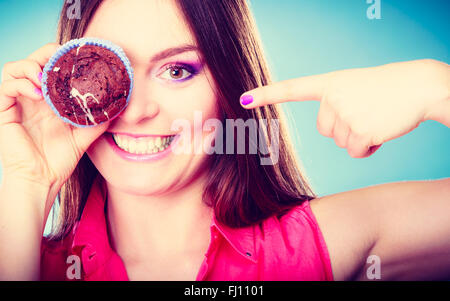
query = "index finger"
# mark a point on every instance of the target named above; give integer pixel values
(298, 89)
(43, 54)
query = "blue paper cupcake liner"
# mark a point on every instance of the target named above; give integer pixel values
(75, 44)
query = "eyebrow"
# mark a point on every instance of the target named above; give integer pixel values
(172, 52)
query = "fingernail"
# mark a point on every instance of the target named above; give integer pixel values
(40, 76)
(374, 148)
(38, 91)
(246, 99)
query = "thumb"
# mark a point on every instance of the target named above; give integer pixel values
(85, 136)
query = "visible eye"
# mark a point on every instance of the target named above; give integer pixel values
(178, 73)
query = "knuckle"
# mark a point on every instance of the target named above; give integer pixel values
(9, 115)
(5, 86)
(5, 69)
(354, 154)
(351, 152)
(30, 62)
(319, 126)
(339, 143)
(376, 140)
(8, 65)
(323, 130)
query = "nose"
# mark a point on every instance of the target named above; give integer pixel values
(140, 107)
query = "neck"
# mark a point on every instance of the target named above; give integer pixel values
(171, 224)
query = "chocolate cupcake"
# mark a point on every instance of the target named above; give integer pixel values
(87, 82)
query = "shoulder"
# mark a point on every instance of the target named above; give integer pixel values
(294, 244)
(352, 222)
(302, 230)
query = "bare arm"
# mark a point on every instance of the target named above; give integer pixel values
(363, 108)
(22, 220)
(405, 224)
(38, 153)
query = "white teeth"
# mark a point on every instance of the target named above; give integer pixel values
(158, 142)
(141, 147)
(148, 145)
(118, 140)
(132, 146)
(124, 144)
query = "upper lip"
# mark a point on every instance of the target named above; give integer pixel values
(133, 135)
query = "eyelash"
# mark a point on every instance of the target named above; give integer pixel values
(193, 72)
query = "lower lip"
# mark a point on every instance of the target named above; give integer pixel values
(141, 157)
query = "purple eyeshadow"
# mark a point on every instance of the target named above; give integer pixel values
(192, 68)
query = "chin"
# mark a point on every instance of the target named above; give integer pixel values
(151, 183)
(136, 185)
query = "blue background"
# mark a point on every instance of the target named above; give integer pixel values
(305, 37)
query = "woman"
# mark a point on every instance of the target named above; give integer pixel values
(224, 216)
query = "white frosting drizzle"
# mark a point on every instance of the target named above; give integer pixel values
(75, 113)
(56, 69)
(78, 51)
(75, 93)
(83, 97)
(81, 45)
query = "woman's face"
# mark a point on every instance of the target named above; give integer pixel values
(170, 84)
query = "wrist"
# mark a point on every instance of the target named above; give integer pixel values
(22, 218)
(439, 109)
(440, 112)
(24, 185)
(17, 194)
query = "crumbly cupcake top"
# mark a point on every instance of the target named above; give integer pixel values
(88, 85)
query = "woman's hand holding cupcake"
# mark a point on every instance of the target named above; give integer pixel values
(364, 108)
(37, 149)
(40, 146)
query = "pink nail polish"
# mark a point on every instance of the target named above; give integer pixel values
(40, 76)
(38, 91)
(246, 99)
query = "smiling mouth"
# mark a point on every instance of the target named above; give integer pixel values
(142, 145)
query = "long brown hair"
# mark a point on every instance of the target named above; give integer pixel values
(241, 190)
